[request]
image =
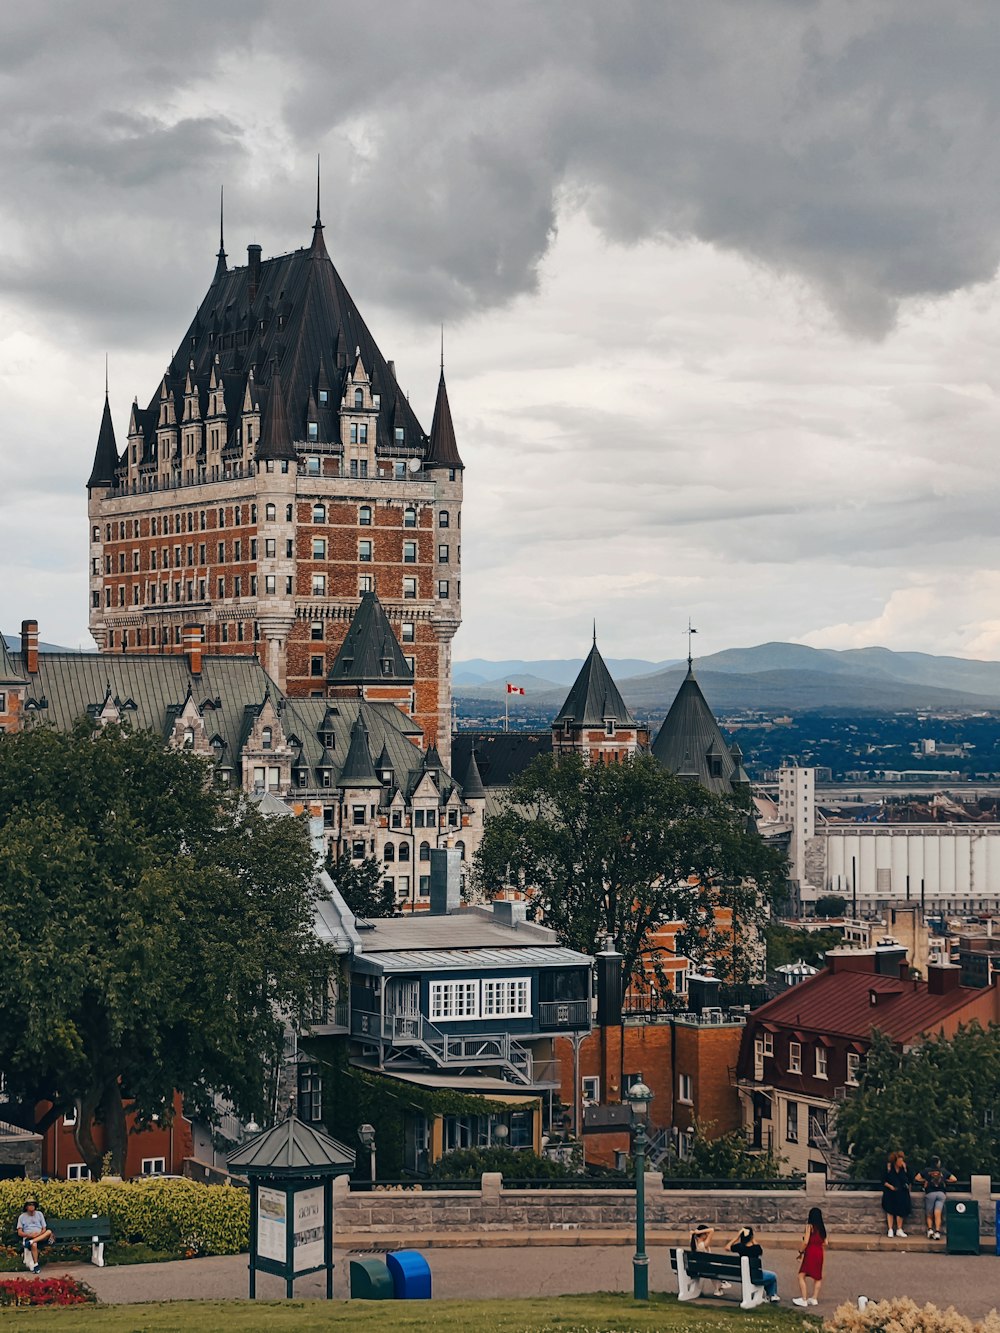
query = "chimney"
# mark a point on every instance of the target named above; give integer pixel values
(392, 368)
(29, 646)
(943, 978)
(510, 914)
(610, 986)
(446, 880)
(193, 636)
(253, 269)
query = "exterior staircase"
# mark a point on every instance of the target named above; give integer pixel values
(450, 1051)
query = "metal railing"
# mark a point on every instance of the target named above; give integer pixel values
(689, 1183)
(564, 1014)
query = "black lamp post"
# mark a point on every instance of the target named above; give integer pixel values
(639, 1098)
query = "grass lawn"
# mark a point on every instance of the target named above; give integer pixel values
(565, 1314)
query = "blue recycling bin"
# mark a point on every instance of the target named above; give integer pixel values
(411, 1275)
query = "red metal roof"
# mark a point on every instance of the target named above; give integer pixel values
(840, 1003)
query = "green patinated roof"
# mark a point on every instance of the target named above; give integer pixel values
(292, 1148)
(594, 698)
(690, 744)
(358, 770)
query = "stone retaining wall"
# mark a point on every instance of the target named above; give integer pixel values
(492, 1208)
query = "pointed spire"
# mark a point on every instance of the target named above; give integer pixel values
(595, 631)
(318, 248)
(106, 453)
(594, 697)
(370, 653)
(358, 770)
(221, 266)
(276, 434)
(472, 784)
(690, 744)
(442, 449)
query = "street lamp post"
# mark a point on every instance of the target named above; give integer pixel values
(639, 1098)
(366, 1133)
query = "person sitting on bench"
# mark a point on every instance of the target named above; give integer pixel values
(33, 1231)
(701, 1241)
(744, 1244)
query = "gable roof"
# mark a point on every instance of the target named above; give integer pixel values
(500, 755)
(370, 653)
(292, 1148)
(594, 698)
(690, 739)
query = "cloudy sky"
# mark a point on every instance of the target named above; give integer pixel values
(719, 282)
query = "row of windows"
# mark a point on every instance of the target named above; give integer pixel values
(270, 549)
(457, 1001)
(196, 590)
(764, 1050)
(319, 515)
(174, 524)
(391, 853)
(237, 631)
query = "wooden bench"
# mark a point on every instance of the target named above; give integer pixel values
(693, 1265)
(74, 1231)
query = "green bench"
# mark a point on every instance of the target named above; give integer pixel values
(76, 1231)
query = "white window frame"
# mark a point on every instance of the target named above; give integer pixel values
(453, 1001)
(154, 1166)
(822, 1062)
(795, 1057)
(69, 1119)
(853, 1068)
(590, 1090)
(77, 1171)
(767, 1038)
(506, 997)
(685, 1089)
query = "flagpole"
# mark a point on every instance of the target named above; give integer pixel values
(506, 705)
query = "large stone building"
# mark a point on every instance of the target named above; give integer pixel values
(277, 475)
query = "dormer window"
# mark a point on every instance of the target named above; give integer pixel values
(609, 726)
(400, 435)
(359, 398)
(386, 666)
(313, 431)
(386, 776)
(189, 738)
(266, 739)
(324, 397)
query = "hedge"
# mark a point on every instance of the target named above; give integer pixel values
(164, 1214)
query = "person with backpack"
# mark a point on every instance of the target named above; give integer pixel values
(812, 1254)
(744, 1244)
(935, 1180)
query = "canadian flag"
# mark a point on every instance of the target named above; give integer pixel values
(514, 689)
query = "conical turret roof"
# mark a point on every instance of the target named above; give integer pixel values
(442, 451)
(358, 770)
(275, 432)
(594, 697)
(106, 453)
(472, 785)
(370, 653)
(690, 744)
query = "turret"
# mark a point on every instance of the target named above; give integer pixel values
(106, 453)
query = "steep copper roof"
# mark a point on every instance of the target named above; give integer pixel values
(358, 770)
(370, 653)
(106, 453)
(472, 783)
(292, 1148)
(443, 448)
(690, 744)
(594, 697)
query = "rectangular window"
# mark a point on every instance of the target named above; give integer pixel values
(768, 1043)
(397, 819)
(363, 433)
(792, 1122)
(319, 585)
(315, 666)
(410, 589)
(508, 998)
(685, 1092)
(222, 552)
(795, 1057)
(77, 1171)
(442, 555)
(853, 1066)
(409, 553)
(358, 851)
(270, 547)
(365, 552)
(821, 1062)
(221, 587)
(364, 584)
(238, 549)
(310, 1094)
(237, 586)
(316, 631)
(69, 1119)
(442, 588)
(153, 1166)
(591, 1091)
(418, 819)
(406, 631)
(319, 548)
(357, 815)
(269, 583)
(454, 1000)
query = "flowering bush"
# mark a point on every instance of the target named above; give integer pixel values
(901, 1315)
(163, 1214)
(45, 1291)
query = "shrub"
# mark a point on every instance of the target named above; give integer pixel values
(45, 1291)
(470, 1163)
(901, 1315)
(164, 1214)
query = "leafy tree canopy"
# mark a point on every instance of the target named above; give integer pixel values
(831, 904)
(512, 1163)
(621, 849)
(726, 1157)
(936, 1100)
(786, 944)
(363, 886)
(152, 929)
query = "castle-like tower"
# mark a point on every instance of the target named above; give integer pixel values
(277, 477)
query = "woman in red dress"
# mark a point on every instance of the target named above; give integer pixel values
(811, 1254)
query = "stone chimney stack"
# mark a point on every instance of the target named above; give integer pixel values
(446, 880)
(29, 646)
(253, 267)
(192, 636)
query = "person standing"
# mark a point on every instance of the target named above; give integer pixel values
(896, 1202)
(744, 1244)
(812, 1255)
(33, 1230)
(935, 1180)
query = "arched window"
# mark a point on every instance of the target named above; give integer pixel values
(425, 851)
(444, 519)
(270, 513)
(359, 398)
(265, 738)
(319, 513)
(365, 516)
(390, 852)
(404, 851)
(409, 517)
(460, 846)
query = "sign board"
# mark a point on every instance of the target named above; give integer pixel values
(271, 1225)
(309, 1231)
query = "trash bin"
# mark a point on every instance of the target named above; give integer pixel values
(371, 1281)
(961, 1218)
(411, 1275)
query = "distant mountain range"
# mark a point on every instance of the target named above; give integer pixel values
(772, 677)
(13, 642)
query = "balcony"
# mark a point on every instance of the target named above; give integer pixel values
(329, 1019)
(559, 1015)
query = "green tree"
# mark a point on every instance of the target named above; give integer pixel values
(152, 929)
(363, 886)
(831, 904)
(937, 1099)
(785, 944)
(727, 1157)
(621, 849)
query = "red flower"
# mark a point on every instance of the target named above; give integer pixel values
(45, 1291)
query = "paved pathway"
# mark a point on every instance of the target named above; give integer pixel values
(971, 1284)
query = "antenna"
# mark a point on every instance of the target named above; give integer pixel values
(690, 631)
